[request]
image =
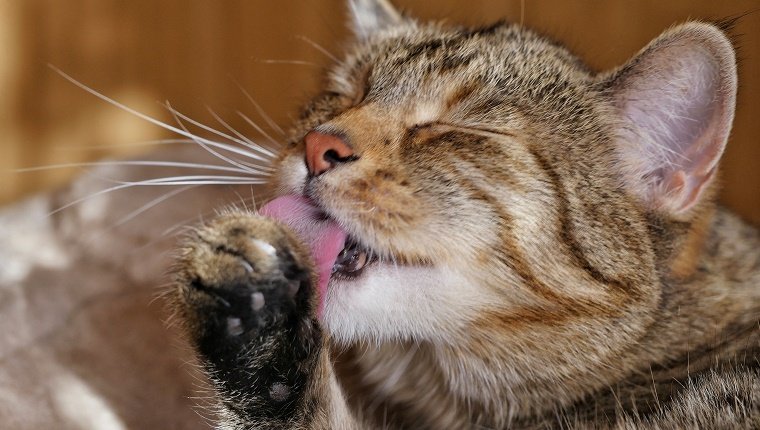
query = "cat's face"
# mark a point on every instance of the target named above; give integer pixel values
(450, 187)
(487, 176)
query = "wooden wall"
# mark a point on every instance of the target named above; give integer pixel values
(192, 53)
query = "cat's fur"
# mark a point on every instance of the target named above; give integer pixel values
(553, 255)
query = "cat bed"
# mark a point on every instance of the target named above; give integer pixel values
(85, 342)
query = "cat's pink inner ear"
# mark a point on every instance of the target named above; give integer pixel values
(676, 101)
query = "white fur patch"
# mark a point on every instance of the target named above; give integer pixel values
(401, 302)
(292, 173)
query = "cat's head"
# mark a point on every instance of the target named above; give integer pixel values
(519, 203)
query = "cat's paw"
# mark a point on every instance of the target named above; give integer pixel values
(240, 274)
(245, 294)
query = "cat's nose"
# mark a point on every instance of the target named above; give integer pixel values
(325, 151)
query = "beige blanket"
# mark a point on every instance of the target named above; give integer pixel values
(84, 343)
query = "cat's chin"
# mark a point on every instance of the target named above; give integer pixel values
(392, 302)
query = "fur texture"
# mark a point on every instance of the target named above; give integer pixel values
(551, 254)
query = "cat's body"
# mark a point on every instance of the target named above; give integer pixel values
(551, 253)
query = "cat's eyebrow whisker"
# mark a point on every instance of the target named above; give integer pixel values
(135, 163)
(179, 114)
(250, 143)
(259, 109)
(318, 47)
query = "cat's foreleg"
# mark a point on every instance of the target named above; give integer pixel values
(245, 294)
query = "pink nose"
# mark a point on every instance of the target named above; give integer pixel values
(325, 151)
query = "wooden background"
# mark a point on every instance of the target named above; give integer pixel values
(192, 53)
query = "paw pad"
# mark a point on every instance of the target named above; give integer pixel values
(234, 326)
(279, 392)
(257, 301)
(293, 287)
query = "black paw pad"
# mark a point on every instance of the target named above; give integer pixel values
(245, 287)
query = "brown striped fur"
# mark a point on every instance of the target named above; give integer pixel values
(534, 276)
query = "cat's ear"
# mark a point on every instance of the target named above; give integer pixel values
(676, 101)
(370, 16)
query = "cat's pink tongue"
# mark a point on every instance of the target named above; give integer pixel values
(323, 235)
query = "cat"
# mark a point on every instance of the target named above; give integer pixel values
(474, 230)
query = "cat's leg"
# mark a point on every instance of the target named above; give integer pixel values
(245, 294)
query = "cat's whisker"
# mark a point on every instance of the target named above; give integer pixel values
(151, 204)
(218, 145)
(124, 145)
(256, 127)
(205, 143)
(178, 114)
(135, 163)
(234, 150)
(124, 185)
(181, 131)
(251, 144)
(253, 200)
(174, 228)
(87, 197)
(242, 201)
(205, 146)
(179, 226)
(318, 47)
(196, 179)
(273, 125)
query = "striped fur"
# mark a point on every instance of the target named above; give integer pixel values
(530, 274)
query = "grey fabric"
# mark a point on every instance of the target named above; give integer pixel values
(84, 343)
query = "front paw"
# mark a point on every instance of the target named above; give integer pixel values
(245, 294)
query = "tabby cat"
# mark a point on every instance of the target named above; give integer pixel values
(474, 230)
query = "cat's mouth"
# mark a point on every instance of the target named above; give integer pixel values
(352, 260)
(336, 254)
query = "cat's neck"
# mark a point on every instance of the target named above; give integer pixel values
(722, 286)
(733, 251)
(709, 287)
